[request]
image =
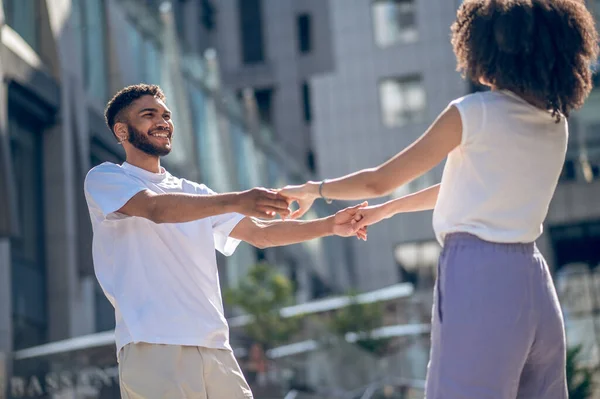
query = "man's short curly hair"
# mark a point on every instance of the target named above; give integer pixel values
(125, 97)
(542, 49)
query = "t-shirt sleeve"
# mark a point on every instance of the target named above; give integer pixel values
(472, 115)
(222, 225)
(108, 188)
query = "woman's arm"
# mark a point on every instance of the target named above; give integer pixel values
(274, 233)
(420, 157)
(420, 201)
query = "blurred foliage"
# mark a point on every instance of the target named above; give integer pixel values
(580, 380)
(261, 295)
(362, 319)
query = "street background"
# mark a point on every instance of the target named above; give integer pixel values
(263, 93)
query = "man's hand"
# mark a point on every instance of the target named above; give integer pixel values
(304, 195)
(366, 216)
(261, 203)
(343, 223)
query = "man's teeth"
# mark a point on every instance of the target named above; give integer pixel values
(161, 135)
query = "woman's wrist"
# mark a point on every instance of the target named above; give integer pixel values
(392, 207)
(311, 188)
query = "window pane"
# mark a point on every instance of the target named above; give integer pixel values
(200, 125)
(27, 249)
(241, 160)
(304, 27)
(264, 103)
(306, 102)
(403, 101)
(21, 16)
(95, 60)
(251, 154)
(153, 62)
(251, 31)
(26, 157)
(78, 24)
(134, 39)
(394, 21)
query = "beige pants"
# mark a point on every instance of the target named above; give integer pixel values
(148, 371)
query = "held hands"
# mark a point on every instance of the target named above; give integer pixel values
(262, 203)
(344, 224)
(304, 195)
(368, 215)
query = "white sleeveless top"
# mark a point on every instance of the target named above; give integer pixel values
(498, 183)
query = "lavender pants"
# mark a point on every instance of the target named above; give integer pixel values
(497, 328)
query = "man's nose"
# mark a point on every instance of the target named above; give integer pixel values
(163, 123)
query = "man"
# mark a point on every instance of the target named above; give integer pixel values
(154, 245)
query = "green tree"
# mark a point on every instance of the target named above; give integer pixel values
(579, 379)
(362, 319)
(261, 295)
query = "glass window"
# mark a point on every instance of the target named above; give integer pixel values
(27, 249)
(21, 15)
(252, 156)
(135, 41)
(394, 22)
(198, 101)
(146, 54)
(207, 14)
(264, 103)
(241, 160)
(251, 34)
(94, 52)
(78, 23)
(310, 161)
(304, 28)
(403, 101)
(153, 62)
(306, 107)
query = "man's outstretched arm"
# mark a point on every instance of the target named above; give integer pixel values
(265, 234)
(181, 208)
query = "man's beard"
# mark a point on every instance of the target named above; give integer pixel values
(141, 141)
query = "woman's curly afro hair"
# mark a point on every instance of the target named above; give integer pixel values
(540, 49)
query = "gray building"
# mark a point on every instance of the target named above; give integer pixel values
(60, 61)
(273, 47)
(394, 72)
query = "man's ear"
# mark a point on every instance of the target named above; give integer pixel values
(121, 131)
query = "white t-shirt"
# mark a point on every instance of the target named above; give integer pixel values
(498, 183)
(162, 279)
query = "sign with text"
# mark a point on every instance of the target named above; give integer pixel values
(88, 382)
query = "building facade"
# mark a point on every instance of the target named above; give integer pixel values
(273, 47)
(61, 60)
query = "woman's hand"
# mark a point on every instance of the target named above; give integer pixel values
(303, 194)
(369, 215)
